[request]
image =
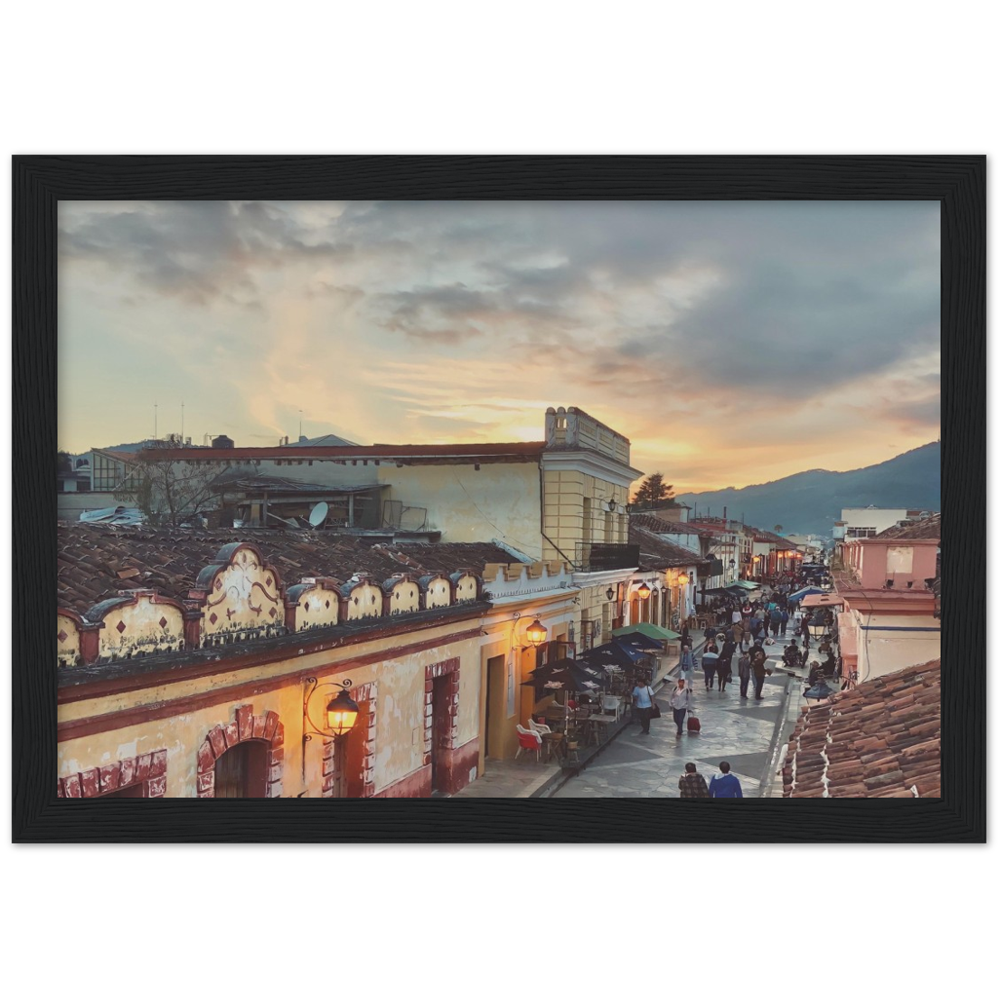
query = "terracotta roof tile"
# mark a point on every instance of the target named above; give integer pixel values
(878, 740)
(930, 528)
(171, 559)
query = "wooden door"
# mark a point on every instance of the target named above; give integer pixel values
(241, 772)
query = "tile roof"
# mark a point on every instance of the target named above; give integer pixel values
(660, 526)
(97, 562)
(658, 553)
(930, 528)
(878, 740)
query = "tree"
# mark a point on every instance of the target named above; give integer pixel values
(777, 529)
(167, 491)
(65, 461)
(653, 490)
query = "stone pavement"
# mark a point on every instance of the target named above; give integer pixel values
(743, 732)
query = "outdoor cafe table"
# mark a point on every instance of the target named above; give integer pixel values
(602, 722)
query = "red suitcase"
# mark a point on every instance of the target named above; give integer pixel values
(694, 726)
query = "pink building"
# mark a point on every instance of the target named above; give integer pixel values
(900, 558)
(889, 621)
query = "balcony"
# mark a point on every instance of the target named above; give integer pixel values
(595, 557)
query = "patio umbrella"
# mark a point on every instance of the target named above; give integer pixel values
(612, 654)
(647, 629)
(805, 592)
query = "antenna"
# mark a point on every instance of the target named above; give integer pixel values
(300, 425)
(318, 514)
(154, 420)
(182, 421)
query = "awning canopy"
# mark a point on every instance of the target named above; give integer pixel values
(821, 601)
(647, 629)
(805, 592)
(747, 584)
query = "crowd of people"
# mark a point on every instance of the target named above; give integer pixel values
(747, 627)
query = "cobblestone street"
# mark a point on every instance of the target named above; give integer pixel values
(744, 732)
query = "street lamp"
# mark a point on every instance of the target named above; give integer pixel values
(610, 593)
(683, 579)
(612, 505)
(536, 633)
(643, 590)
(339, 715)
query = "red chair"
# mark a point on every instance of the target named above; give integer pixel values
(527, 740)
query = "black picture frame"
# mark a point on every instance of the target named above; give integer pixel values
(956, 182)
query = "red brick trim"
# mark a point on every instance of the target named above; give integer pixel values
(148, 770)
(366, 696)
(246, 726)
(448, 738)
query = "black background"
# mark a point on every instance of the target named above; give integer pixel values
(957, 182)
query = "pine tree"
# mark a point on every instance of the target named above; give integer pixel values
(653, 490)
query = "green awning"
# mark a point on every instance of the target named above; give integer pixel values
(747, 584)
(648, 630)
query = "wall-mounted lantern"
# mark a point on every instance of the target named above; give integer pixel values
(643, 590)
(339, 714)
(683, 579)
(610, 593)
(536, 632)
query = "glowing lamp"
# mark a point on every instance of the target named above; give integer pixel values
(643, 590)
(341, 714)
(683, 579)
(536, 633)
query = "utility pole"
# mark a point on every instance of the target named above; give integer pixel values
(300, 425)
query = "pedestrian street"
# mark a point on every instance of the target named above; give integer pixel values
(740, 731)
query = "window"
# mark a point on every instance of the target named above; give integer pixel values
(862, 532)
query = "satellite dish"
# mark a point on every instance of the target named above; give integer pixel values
(318, 514)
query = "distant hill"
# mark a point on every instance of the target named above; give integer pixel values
(809, 502)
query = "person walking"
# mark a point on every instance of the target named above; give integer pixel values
(688, 664)
(692, 784)
(745, 673)
(739, 633)
(758, 664)
(709, 663)
(775, 621)
(725, 667)
(642, 702)
(755, 627)
(784, 621)
(737, 616)
(725, 785)
(680, 702)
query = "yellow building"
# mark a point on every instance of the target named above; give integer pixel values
(200, 670)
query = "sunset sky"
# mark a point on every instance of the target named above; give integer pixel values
(733, 342)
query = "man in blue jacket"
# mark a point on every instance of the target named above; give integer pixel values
(725, 785)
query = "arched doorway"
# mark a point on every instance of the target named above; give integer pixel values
(241, 772)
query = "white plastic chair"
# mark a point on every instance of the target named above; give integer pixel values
(611, 704)
(538, 727)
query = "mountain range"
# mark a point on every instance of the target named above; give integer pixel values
(809, 502)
